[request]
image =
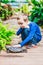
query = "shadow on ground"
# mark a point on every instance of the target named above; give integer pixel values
(11, 56)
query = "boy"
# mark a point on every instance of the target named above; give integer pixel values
(30, 33)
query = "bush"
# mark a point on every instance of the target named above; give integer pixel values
(5, 12)
(5, 36)
(25, 9)
(37, 12)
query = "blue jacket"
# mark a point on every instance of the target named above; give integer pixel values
(33, 29)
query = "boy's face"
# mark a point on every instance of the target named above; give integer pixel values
(22, 23)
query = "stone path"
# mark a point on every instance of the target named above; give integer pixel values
(34, 56)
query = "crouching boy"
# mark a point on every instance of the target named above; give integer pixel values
(30, 33)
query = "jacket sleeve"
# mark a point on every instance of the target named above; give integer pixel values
(30, 36)
(19, 31)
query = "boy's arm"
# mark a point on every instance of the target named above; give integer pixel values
(19, 31)
(32, 32)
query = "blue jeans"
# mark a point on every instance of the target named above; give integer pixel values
(25, 34)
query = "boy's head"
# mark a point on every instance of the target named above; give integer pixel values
(22, 21)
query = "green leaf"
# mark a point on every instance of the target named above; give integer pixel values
(36, 20)
(5, 36)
